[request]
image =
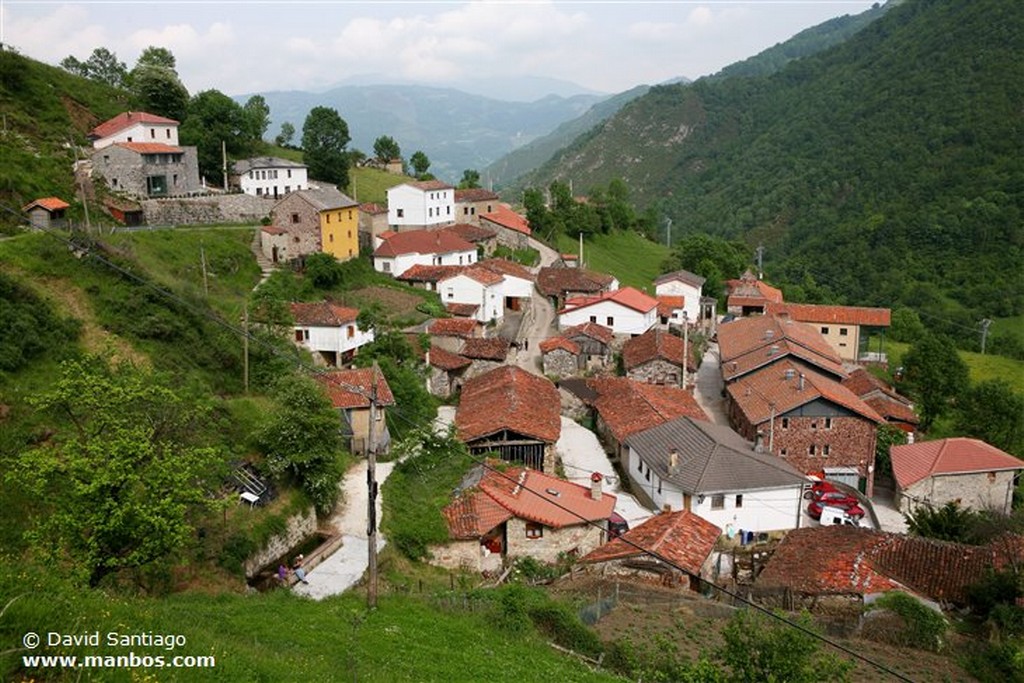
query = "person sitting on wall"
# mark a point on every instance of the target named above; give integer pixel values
(300, 571)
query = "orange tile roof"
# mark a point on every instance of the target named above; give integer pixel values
(747, 334)
(506, 267)
(475, 194)
(682, 538)
(553, 281)
(510, 398)
(655, 344)
(149, 147)
(507, 218)
(428, 185)
(630, 297)
(835, 315)
(422, 242)
(669, 304)
(472, 514)
(481, 275)
(352, 388)
(462, 310)
(48, 203)
(273, 230)
(446, 360)
(323, 314)
(527, 494)
(768, 389)
(127, 119)
(893, 410)
(628, 406)
(372, 208)
(595, 331)
(552, 343)
(913, 462)
(423, 273)
(481, 348)
(453, 327)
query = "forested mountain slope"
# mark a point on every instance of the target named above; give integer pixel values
(888, 169)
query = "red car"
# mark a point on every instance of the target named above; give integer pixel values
(836, 499)
(818, 489)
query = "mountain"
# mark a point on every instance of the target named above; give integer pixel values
(886, 170)
(506, 89)
(456, 130)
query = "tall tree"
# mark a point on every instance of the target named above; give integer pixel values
(287, 134)
(125, 479)
(215, 119)
(257, 117)
(385, 148)
(157, 56)
(420, 163)
(324, 137)
(470, 179)
(156, 85)
(102, 66)
(936, 375)
(74, 65)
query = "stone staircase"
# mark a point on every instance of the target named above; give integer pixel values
(267, 267)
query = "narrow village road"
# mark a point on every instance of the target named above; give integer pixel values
(528, 356)
(345, 567)
(710, 386)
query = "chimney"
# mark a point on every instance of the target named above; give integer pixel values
(595, 485)
(673, 461)
(801, 385)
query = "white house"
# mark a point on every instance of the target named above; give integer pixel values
(685, 284)
(403, 250)
(474, 286)
(329, 330)
(135, 126)
(425, 204)
(517, 282)
(270, 176)
(625, 311)
(713, 472)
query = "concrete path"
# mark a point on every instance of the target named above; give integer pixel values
(346, 566)
(710, 387)
(542, 320)
(582, 455)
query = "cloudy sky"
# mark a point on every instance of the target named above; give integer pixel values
(246, 46)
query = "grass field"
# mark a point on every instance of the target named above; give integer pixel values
(634, 260)
(981, 367)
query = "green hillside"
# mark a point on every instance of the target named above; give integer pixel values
(886, 170)
(630, 257)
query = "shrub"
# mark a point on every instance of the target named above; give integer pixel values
(922, 627)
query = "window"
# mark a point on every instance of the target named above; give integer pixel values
(460, 260)
(739, 500)
(824, 451)
(387, 266)
(328, 218)
(991, 477)
(783, 452)
(785, 423)
(611, 321)
(106, 158)
(647, 475)
(168, 131)
(401, 213)
(718, 501)
(659, 486)
(824, 330)
(828, 423)
(814, 424)
(449, 211)
(152, 133)
(811, 449)
(430, 213)
(534, 530)
(843, 331)
(289, 173)
(593, 318)
(450, 294)
(295, 218)
(465, 211)
(330, 237)
(350, 234)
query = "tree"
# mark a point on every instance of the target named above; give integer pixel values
(324, 137)
(215, 119)
(947, 523)
(758, 648)
(936, 375)
(159, 91)
(887, 437)
(470, 179)
(102, 66)
(257, 117)
(157, 56)
(992, 412)
(323, 270)
(385, 149)
(72, 64)
(126, 479)
(287, 134)
(302, 441)
(420, 163)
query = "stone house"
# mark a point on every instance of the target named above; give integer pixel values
(449, 333)
(750, 344)
(559, 283)
(315, 220)
(268, 176)
(373, 221)
(46, 212)
(512, 230)
(713, 472)
(811, 421)
(560, 357)
(847, 329)
(685, 540)
(498, 516)
(148, 169)
(577, 350)
(446, 371)
(658, 357)
(472, 203)
(421, 205)
(969, 472)
(750, 295)
(329, 331)
(350, 392)
(484, 354)
(513, 413)
(484, 239)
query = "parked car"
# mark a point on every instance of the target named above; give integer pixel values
(837, 516)
(617, 525)
(842, 501)
(819, 488)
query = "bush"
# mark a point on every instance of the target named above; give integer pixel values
(561, 624)
(922, 627)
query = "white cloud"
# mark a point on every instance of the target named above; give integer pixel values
(700, 16)
(652, 31)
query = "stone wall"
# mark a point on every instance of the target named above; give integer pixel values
(560, 363)
(467, 555)
(582, 538)
(657, 371)
(231, 208)
(299, 527)
(978, 491)
(572, 407)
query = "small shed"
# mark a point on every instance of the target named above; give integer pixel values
(47, 212)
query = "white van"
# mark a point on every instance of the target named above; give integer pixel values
(838, 516)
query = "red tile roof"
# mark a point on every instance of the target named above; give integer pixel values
(553, 281)
(655, 344)
(509, 398)
(552, 343)
(913, 462)
(472, 514)
(48, 203)
(881, 397)
(593, 330)
(352, 388)
(480, 348)
(630, 297)
(843, 560)
(835, 315)
(274, 230)
(553, 502)
(893, 410)
(422, 242)
(627, 406)
(506, 267)
(126, 120)
(507, 218)
(667, 305)
(462, 310)
(481, 275)
(749, 291)
(681, 538)
(428, 185)
(471, 233)
(768, 389)
(742, 336)
(422, 273)
(453, 327)
(149, 147)
(323, 314)
(446, 360)
(372, 208)
(475, 194)
(774, 352)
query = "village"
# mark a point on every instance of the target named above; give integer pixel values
(642, 435)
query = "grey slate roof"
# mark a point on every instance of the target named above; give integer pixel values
(682, 275)
(326, 198)
(246, 165)
(712, 458)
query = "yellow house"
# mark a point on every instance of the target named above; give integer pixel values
(339, 225)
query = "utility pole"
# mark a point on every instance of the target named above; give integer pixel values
(371, 498)
(668, 232)
(686, 348)
(81, 183)
(760, 262)
(245, 346)
(206, 284)
(984, 333)
(224, 157)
